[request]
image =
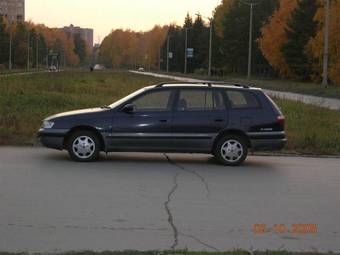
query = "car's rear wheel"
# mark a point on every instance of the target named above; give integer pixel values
(83, 146)
(231, 150)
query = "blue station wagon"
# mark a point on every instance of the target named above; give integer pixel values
(222, 119)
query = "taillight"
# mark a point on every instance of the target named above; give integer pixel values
(281, 120)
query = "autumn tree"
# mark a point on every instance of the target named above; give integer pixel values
(316, 44)
(273, 36)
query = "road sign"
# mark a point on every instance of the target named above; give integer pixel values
(190, 53)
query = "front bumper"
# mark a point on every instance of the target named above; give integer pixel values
(52, 138)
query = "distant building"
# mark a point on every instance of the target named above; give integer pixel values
(85, 33)
(13, 10)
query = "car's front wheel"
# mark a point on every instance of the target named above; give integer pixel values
(231, 150)
(83, 146)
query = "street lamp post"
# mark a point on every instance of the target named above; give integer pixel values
(167, 53)
(211, 20)
(210, 45)
(250, 42)
(186, 51)
(251, 4)
(10, 47)
(28, 51)
(326, 45)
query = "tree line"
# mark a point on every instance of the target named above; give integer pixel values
(37, 46)
(287, 41)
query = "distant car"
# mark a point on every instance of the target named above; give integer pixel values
(98, 67)
(141, 69)
(220, 119)
(53, 69)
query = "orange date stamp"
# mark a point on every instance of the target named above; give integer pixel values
(283, 229)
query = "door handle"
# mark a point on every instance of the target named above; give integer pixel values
(219, 120)
(163, 121)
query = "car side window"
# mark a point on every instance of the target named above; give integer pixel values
(242, 99)
(200, 100)
(154, 101)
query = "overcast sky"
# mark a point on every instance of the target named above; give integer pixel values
(104, 15)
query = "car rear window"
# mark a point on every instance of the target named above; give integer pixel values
(242, 99)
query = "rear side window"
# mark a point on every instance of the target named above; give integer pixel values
(242, 99)
(200, 100)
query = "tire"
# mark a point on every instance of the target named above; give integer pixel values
(231, 150)
(83, 146)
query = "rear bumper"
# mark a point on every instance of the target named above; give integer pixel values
(268, 144)
(268, 141)
(52, 138)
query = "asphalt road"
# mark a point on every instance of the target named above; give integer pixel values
(330, 103)
(159, 201)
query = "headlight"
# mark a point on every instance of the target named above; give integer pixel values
(48, 124)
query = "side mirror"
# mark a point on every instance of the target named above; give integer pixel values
(129, 108)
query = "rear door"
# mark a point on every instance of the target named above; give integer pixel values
(199, 115)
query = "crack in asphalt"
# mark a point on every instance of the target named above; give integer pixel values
(200, 177)
(169, 213)
(176, 233)
(200, 241)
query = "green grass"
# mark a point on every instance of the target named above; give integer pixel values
(181, 253)
(308, 88)
(26, 100)
(311, 129)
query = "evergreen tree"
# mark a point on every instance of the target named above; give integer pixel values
(300, 29)
(19, 46)
(4, 44)
(200, 43)
(80, 48)
(232, 19)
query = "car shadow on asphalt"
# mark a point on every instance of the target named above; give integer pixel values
(204, 162)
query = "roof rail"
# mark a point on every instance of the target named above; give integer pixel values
(210, 84)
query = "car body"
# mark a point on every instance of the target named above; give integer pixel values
(53, 69)
(220, 119)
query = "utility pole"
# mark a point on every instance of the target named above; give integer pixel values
(167, 53)
(28, 51)
(10, 47)
(326, 45)
(186, 51)
(210, 45)
(250, 41)
(37, 52)
(160, 58)
(251, 5)
(211, 20)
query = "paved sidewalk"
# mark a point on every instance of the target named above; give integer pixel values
(330, 103)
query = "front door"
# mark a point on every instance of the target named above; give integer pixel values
(199, 116)
(148, 127)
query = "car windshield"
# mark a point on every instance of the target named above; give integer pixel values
(119, 102)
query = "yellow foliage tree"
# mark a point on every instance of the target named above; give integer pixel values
(316, 44)
(274, 36)
(126, 48)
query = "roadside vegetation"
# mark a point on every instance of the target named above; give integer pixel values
(26, 101)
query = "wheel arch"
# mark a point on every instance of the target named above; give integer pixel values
(231, 132)
(85, 128)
